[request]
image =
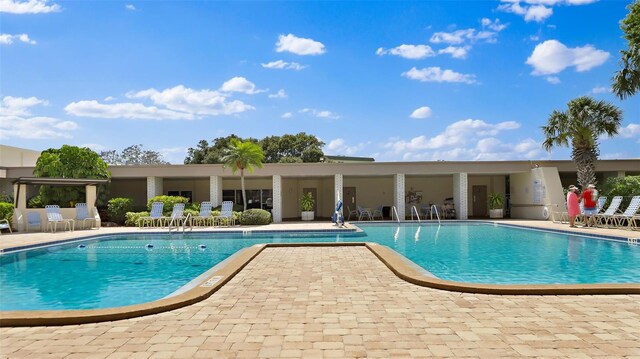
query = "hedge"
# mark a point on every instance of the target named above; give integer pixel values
(118, 207)
(255, 216)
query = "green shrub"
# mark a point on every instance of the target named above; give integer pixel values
(6, 198)
(131, 218)
(168, 202)
(6, 211)
(35, 202)
(627, 187)
(117, 208)
(255, 216)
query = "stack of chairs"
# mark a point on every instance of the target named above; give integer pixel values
(155, 217)
(54, 217)
(226, 215)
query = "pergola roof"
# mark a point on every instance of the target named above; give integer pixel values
(50, 181)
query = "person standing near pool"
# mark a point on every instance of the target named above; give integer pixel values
(589, 198)
(573, 205)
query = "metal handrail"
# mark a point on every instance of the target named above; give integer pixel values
(395, 210)
(414, 209)
(434, 208)
(184, 223)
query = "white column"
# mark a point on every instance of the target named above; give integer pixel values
(20, 211)
(338, 184)
(276, 212)
(398, 194)
(91, 195)
(460, 195)
(215, 190)
(154, 187)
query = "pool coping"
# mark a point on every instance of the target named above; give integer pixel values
(402, 267)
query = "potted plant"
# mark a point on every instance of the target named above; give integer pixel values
(496, 204)
(306, 205)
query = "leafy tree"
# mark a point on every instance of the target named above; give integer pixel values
(241, 155)
(627, 187)
(584, 121)
(68, 162)
(133, 155)
(626, 82)
(277, 149)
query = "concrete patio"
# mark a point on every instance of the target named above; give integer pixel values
(314, 302)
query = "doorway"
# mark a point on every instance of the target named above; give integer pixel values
(314, 194)
(349, 199)
(479, 201)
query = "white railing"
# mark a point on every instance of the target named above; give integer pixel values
(415, 210)
(394, 210)
(181, 220)
(433, 209)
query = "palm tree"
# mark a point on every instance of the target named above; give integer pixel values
(626, 82)
(584, 121)
(241, 155)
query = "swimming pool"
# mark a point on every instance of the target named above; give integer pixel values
(122, 270)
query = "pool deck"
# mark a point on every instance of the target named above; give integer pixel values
(343, 302)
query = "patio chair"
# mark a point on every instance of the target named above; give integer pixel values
(226, 215)
(177, 216)
(4, 224)
(204, 217)
(606, 216)
(54, 217)
(82, 215)
(362, 212)
(629, 214)
(377, 213)
(351, 211)
(154, 217)
(33, 219)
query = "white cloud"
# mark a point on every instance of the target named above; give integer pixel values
(537, 10)
(299, 45)
(464, 140)
(320, 113)
(283, 65)
(19, 106)
(109, 98)
(192, 102)
(436, 74)
(600, 89)
(130, 7)
(340, 147)
(455, 37)
(16, 120)
(421, 112)
(552, 80)
(552, 57)
(240, 84)
(456, 52)
(281, 94)
(534, 37)
(494, 25)
(408, 51)
(126, 110)
(8, 39)
(27, 7)
(287, 115)
(631, 130)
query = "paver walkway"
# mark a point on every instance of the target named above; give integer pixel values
(342, 302)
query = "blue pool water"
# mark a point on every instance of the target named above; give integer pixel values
(122, 270)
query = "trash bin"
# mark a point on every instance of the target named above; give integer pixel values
(386, 212)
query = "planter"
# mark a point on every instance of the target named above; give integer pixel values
(496, 213)
(307, 215)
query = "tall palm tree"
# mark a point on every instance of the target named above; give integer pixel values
(241, 155)
(626, 82)
(584, 121)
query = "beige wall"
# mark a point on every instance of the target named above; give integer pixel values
(135, 189)
(370, 192)
(198, 186)
(523, 193)
(17, 157)
(494, 184)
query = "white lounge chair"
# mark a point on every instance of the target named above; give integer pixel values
(33, 219)
(226, 215)
(82, 215)
(54, 217)
(204, 217)
(629, 214)
(362, 212)
(154, 218)
(4, 224)
(177, 216)
(351, 211)
(377, 213)
(606, 216)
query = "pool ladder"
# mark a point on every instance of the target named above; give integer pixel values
(433, 209)
(394, 210)
(178, 220)
(415, 210)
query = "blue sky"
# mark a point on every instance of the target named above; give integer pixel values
(397, 81)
